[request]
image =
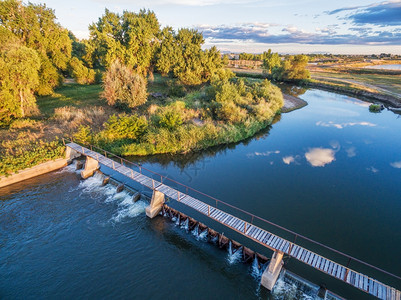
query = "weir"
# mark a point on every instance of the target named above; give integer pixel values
(279, 245)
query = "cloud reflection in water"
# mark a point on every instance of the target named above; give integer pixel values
(319, 157)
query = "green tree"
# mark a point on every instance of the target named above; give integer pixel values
(123, 87)
(19, 68)
(78, 47)
(270, 61)
(167, 53)
(130, 38)
(193, 65)
(292, 68)
(188, 68)
(80, 73)
(35, 27)
(212, 62)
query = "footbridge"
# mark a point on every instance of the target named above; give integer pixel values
(244, 225)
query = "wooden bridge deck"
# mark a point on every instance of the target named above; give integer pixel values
(257, 234)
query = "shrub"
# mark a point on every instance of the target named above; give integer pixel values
(84, 135)
(125, 127)
(227, 92)
(375, 108)
(27, 151)
(228, 111)
(123, 87)
(171, 119)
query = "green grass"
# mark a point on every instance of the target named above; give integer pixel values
(159, 84)
(75, 95)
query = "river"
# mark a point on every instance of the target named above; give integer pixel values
(330, 171)
(385, 67)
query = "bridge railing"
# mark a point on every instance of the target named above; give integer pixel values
(252, 219)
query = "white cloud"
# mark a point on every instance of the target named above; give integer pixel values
(396, 164)
(351, 151)
(343, 125)
(319, 157)
(372, 169)
(288, 159)
(181, 2)
(267, 153)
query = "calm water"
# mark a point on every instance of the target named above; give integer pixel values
(330, 171)
(385, 67)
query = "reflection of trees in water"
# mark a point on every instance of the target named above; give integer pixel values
(183, 161)
(292, 90)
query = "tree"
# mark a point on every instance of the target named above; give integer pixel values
(167, 53)
(78, 47)
(35, 27)
(194, 66)
(19, 67)
(270, 61)
(129, 38)
(80, 73)
(123, 87)
(188, 68)
(212, 62)
(292, 68)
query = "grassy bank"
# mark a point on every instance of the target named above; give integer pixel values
(368, 84)
(31, 141)
(25, 153)
(175, 119)
(181, 119)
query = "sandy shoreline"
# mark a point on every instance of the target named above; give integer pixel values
(292, 103)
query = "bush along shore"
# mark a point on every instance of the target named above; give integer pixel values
(226, 111)
(27, 152)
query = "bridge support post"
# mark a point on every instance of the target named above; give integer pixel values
(91, 165)
(71, 154)
(270, 275)
(156, 204)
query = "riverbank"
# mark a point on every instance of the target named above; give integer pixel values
(175, 119)
(292, 103)
(354, 80)
(37, 170)
(364, 94)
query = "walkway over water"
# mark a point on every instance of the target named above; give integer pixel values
(246, 228)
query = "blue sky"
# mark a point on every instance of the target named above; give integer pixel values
(285, 26)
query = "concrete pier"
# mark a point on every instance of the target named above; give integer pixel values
(91, 165)
(71, 154)
(270, 275)
(156, 204)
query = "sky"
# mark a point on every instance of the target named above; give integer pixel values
(285, 26)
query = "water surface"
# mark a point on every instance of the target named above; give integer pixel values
(330, 171)
(385, 67)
